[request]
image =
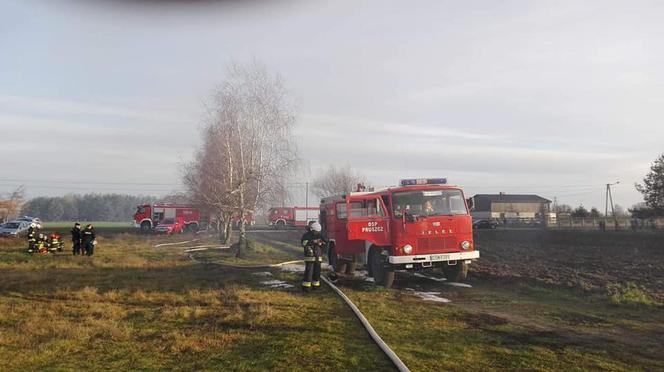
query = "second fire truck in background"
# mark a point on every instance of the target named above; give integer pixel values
(283, 217)
(148, 216)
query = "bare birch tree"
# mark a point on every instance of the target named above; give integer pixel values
(248, 147)
(10, 207)
(336, 180)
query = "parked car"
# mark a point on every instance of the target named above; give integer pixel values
(170, 226)
(30, 220)
(485, 224)
(14, 229)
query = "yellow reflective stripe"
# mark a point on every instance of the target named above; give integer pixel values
(316, 284)
(310, 259)
(304, 243)
(306, 284)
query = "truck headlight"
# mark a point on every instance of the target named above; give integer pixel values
(408, 249)
(465, 244)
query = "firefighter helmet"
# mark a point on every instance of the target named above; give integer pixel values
(315, 227)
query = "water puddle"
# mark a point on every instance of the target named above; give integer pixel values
(276, 284)
(429, 277)
(430, 296)
(292, 268)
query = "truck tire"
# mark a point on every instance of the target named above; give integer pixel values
(280, 225)
(381, 274)
(146, 226)
(456, 273)
(338, 265)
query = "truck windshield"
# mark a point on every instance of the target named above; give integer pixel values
(140, 210)
(429, 203)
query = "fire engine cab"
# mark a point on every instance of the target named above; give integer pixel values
(421, 224)
(148, 216)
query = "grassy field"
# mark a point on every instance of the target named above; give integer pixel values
(499, 325)
(133, 306)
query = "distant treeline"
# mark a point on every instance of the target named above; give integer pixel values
(88, 207)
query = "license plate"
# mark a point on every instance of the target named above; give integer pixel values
(440, 257)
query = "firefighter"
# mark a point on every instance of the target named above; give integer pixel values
(428, 208)
(88, 240)
(32, 238)
(313, 243)
(42, 243)
(76, 239)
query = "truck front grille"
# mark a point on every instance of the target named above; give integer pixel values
(435, 245)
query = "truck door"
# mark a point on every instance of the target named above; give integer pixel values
(368, 220)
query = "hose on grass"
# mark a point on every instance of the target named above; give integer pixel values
(178, 243)
(394, 358)
(372, 332)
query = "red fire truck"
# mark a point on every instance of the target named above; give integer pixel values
(422, 224)
(282, 217)
(248, 220)
(148, 216)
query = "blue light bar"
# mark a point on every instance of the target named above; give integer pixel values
(423, 181)
(437, 181)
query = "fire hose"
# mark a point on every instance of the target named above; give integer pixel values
(394, 358)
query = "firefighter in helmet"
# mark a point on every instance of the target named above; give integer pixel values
(76, 238)
(313, 244)
(32, 238)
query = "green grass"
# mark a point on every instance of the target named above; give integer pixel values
(259, 252)
(135, 307)
(132, 306)
(631, 294)
(508, 325)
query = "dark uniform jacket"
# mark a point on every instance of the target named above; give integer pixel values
(76, 235)
(88, 236)
(313, 245)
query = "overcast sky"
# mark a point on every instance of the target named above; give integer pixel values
(553, 98)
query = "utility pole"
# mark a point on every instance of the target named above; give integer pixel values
(609, 198)
(307, 196)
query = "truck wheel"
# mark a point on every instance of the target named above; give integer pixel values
(333, 259)
(381, 274)
(146, 227)
(280, 225)
(456, 273)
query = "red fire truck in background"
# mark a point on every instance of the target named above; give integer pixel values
(148, 216)
(282, 217)
(422, 224)
(249, 220)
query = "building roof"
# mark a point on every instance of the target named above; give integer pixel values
(482, 202)
(512, 198)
